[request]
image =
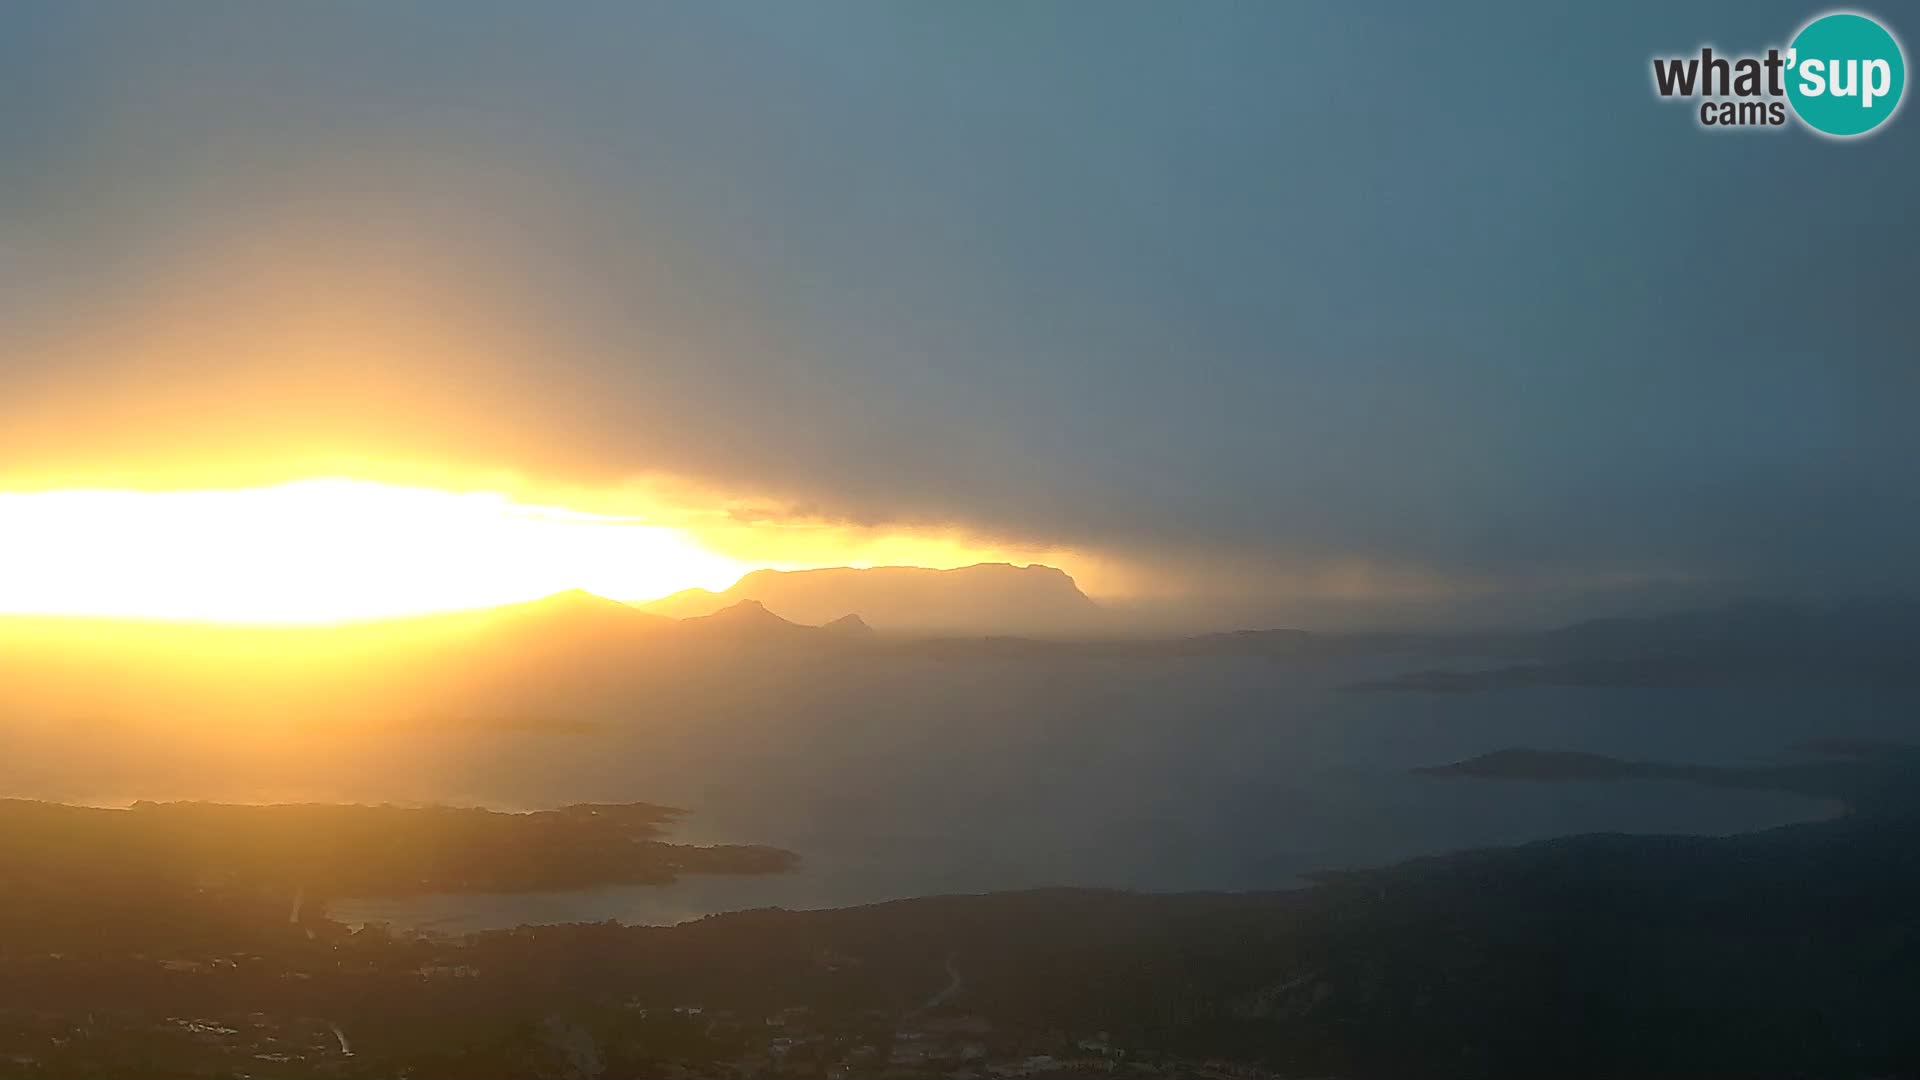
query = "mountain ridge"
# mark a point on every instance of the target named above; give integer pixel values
(981, 598)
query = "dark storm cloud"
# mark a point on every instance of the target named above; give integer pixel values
(1240, 285)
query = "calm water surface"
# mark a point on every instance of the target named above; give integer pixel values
(1175, 775)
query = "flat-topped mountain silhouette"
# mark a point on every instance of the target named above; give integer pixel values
(986, 598)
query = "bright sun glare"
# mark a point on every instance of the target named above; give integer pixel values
(324, 551)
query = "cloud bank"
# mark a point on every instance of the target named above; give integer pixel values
(1277, 309)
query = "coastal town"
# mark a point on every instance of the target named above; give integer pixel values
(634, 1035)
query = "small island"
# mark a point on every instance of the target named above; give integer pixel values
(1864, 776)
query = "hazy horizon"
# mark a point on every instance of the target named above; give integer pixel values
(444, 310)
(722, 539)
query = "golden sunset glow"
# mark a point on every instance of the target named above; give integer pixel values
(323, 551)
(334, 550)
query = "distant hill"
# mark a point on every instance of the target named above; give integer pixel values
(987, 598)
(556, 663)
(1753, 642)
(574, 663)
(747, 619)
(560, 632)
(575, 612)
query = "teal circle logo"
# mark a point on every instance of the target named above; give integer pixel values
(1845, 74)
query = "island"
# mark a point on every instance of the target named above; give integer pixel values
(324, 850)
(1782, 953)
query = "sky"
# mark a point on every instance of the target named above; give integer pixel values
(1272, 312)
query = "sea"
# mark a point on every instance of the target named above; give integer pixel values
(966, 775)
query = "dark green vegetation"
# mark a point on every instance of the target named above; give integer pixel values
(1786, 953)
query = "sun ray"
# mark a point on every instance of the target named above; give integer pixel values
(324, 551)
